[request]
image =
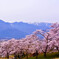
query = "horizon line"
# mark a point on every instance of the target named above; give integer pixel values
(26, 22)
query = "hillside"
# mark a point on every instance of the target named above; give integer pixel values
(19, 29)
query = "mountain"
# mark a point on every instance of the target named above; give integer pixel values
(19, 29)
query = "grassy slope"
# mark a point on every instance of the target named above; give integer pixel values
(49, 56)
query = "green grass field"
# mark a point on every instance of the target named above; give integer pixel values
(40, 56)
(49, 56)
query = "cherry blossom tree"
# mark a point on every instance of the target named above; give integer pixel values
(30, 44)
(55, 35)
(45, 41)
(5, 49)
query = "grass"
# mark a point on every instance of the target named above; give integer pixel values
(49, 56)
(54, 55)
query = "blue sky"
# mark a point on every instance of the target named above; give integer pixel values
(29, 10)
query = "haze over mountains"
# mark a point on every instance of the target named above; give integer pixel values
(19, 29)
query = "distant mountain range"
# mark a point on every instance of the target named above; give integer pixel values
(19, 29)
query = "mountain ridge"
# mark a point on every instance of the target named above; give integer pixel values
(19, 29)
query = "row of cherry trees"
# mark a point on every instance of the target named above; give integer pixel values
(32, 44)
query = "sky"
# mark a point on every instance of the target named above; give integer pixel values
(29, 10)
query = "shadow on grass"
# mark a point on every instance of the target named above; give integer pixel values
(49, 56)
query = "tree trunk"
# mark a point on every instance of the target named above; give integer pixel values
(45, 51)
(7, 55)
(57, 49)
(26, 55)
(44, 54)
(36, 56)
(15, 56)
(19, 56)
(23, 55)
